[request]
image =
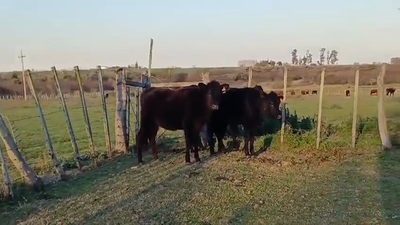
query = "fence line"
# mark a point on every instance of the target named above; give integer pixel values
(122, 104)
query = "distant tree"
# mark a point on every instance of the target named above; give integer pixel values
(272, 63)
(333, 57)
(295, 60)
(136, 65)
(279, 63)
(328, 57)
(309, 57)
(322, 56)
(304, 61)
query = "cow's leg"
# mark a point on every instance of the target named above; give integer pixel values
(235, 131)
(152, 139)
(246, 142)
(251, 140)
(141, 143)
(190, 139)
(211, 140)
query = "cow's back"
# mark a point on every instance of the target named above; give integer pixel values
(169, 107)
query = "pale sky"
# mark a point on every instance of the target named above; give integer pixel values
(188, 33)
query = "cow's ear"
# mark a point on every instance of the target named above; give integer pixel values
(202, 86)
(259, 87)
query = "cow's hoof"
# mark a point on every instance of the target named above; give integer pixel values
(188, 163)
(199, 162)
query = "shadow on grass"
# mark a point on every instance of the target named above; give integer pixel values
(389, 168)
(333, 194)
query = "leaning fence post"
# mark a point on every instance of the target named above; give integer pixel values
(383, 130)
(86, 116)
(355, 109)
(17, 159)
(321, 94)
(67, 119)
(105, 113)
(56, 162)
(7, 189)
(284, 103)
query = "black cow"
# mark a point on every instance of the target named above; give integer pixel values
(347, 93)
(390, 91)
(246, 106)
(186, 109)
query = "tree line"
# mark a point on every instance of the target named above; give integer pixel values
(326, 57)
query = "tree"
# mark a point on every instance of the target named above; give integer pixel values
(304, 61)
(322, 56)
(279, 63)
(328, 57)
(295, 60)
(136, 65)
(333, 57)
(309, 57)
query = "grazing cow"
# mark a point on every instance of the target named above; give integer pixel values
(246, 106)
(186, 109)
(374, 92)
(292, 93)
(347, 93)
(390, 91)
(305, 92)
(314, 92)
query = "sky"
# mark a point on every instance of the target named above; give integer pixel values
(188, 33)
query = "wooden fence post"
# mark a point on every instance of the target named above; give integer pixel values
(120, 113)
(321, 93)
(17, 159)
(250, 78)
(56, 162)
(7, 188)
(67, 119)
(86, 116)
(105, 113)
(127, 110)
(355, 108)
(383, 130)
(150, 59)
(284, 103)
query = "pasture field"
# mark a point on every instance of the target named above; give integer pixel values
(286, 184)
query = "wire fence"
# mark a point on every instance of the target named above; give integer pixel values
(312, 120)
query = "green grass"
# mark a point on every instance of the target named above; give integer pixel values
(288, 185)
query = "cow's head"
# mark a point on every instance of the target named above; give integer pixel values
(214, 91)
(271, 103)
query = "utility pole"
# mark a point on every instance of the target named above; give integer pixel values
(23, 73)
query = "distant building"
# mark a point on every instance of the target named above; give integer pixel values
(246, 63)
(395, 60)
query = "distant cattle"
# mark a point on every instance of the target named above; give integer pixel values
(305, 92)
(390, 91)
(186, 109)
(314, 92)
(347, 93)
(292, 93)
(373, 92)
(246, 106)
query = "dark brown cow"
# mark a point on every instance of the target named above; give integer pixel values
(246, 106)
(292, 93)
(347, 93)
(390, 91)
(374, 92)
(305, 92)
(314, 92)
(186, 109)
